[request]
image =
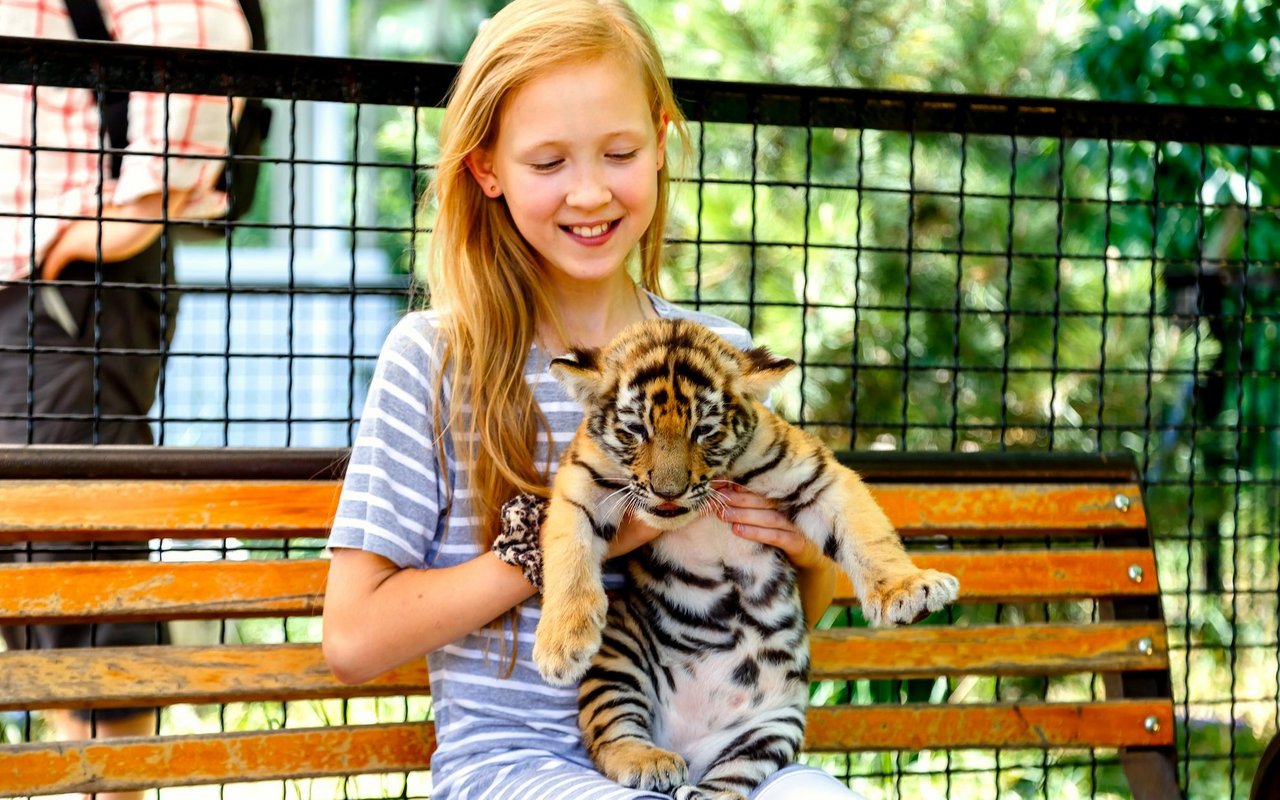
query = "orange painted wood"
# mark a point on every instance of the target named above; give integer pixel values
(1038, 649)
(116, 677)
(1011, 509)
(69, 510)
(295, 587)
(1011, 576)
(124, 764)
(1120, 723)
(140, 676)
(141, 763)
(141, 590)
(140, 509)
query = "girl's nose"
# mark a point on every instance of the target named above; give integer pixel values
(589, 190)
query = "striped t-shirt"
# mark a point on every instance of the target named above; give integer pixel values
(498, 737)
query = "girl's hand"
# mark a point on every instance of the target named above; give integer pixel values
(754, 517)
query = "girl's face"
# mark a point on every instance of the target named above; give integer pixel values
(577, 159)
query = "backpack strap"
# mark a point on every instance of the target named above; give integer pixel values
(86, 18)
(252, 11)
(255, 121)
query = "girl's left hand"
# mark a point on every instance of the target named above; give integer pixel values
(754, 517)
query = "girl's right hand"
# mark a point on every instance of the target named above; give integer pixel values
(632, 533)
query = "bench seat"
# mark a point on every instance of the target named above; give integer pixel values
(1058, 592)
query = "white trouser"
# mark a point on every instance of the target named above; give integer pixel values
(799, 782)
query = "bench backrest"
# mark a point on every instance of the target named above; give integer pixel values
(1057, 642)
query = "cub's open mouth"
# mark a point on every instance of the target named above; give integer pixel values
(668, 510)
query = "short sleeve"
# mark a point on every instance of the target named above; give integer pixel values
(176, 124)
(393, 494)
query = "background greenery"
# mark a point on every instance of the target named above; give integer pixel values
(949, 292)
(969, 293)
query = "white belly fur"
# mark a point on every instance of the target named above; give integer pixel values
(708, 709)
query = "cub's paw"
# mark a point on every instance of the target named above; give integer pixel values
(908, 599)
(641, 765)
(568, 635)
(696, 793)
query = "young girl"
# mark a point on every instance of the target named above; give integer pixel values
(552, 172)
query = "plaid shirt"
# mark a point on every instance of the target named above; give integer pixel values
(67, 121)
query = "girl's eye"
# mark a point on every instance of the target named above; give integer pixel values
(546, 166)
(624, 156)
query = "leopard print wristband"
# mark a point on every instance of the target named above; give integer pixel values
(517, 544)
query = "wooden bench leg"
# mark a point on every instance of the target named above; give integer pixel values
(1152, 774)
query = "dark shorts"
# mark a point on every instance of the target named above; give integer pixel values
(66, 394)
(98, 387)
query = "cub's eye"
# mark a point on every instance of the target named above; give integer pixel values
(635, 429)
(702, 430)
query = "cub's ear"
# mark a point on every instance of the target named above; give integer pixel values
(761, 371)
(579, 372)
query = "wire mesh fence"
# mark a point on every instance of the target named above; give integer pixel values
(951, 273)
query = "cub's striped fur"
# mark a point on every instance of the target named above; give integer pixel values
(696, 678)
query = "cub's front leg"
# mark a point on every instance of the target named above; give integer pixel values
(855, 532)
(575, 538)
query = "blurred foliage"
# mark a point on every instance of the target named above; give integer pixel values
(1206, 54)
(952, 292)
(975, 46)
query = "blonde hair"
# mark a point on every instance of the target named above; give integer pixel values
(479, 262)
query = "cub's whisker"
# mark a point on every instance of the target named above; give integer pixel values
(618, 497)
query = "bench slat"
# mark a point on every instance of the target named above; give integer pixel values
(1032, 576)
(115, 677)
(141, 590)
(980, 509)
(120, 677)
(1021, 725)
(296, 753)
(141, 763)
(52, 510)
(131, 510)
(1040, 649)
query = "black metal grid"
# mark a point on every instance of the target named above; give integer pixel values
(949, 271)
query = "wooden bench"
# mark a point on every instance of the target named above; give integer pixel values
(1057, 646)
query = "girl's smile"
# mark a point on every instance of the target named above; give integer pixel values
(592, 235)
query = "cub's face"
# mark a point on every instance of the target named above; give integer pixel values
(670, 405)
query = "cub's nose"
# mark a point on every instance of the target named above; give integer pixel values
(667, 494)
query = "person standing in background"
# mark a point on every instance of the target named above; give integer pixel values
(86, 307)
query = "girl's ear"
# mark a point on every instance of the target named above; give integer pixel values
(480, 164)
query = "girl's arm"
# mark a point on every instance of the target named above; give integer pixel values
(754, 517)
(378, 616)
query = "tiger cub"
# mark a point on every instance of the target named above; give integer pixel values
(695, 680)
